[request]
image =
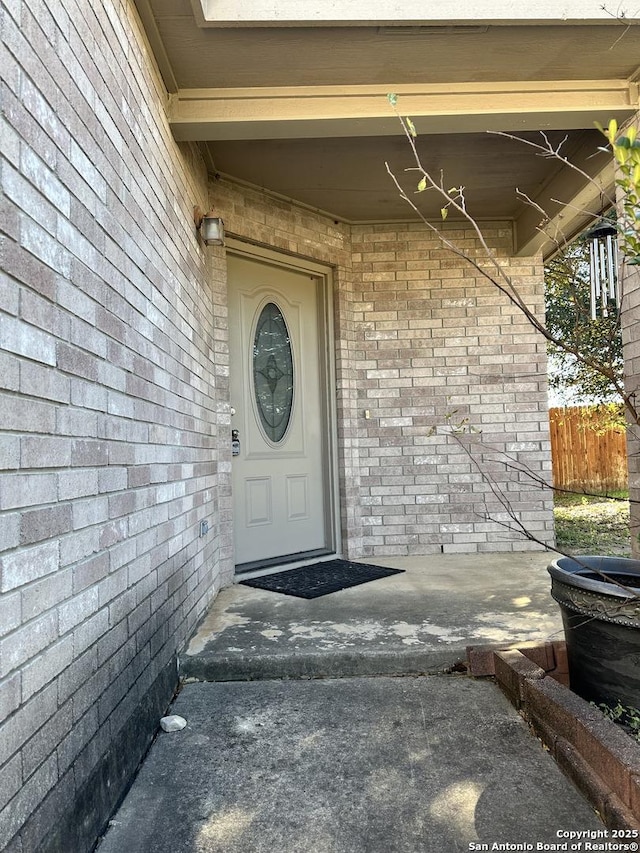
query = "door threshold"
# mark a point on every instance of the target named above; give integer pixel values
(246, 571)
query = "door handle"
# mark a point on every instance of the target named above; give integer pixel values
(235, 442)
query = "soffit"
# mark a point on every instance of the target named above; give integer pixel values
(348, 177)
(302, 111)
(344, 56)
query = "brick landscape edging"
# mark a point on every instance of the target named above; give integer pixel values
(596, 754)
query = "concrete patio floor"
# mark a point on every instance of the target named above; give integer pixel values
(302, 743)
(418, 621)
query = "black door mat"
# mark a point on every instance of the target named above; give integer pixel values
(321, 578)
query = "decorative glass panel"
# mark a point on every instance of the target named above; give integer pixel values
(273, 372)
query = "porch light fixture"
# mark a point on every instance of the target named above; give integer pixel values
(605, 293)
(211, 227)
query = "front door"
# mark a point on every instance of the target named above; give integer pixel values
(280, 468)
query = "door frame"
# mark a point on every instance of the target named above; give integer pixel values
(327, 368)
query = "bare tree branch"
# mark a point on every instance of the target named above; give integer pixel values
(495, 272)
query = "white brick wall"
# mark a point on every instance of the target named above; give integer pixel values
(420, 335)
(631, 342)
(113, 381)
(440, 343)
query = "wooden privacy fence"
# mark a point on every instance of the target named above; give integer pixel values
(586, 456)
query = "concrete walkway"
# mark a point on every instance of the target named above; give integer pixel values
(351, 764)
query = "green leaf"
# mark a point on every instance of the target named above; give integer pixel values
(412, 127)
(393, 99)
(568, 318)
(444, 213)
(422, 185)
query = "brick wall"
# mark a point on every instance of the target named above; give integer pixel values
(440, 345)
(630, 314)
(631, 343)
(113, 370)
(423, 341)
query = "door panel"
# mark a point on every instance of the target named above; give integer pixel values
(279, 476)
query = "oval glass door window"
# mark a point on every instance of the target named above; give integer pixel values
(273, 372)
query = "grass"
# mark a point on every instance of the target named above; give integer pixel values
(593, 525)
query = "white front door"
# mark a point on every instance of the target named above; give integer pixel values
(280, 467)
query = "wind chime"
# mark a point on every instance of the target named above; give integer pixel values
(605, 291)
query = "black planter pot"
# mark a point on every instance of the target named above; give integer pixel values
(602, 626)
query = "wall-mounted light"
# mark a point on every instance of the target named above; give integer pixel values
(211, 227)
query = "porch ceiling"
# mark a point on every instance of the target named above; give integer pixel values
(302, 111)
